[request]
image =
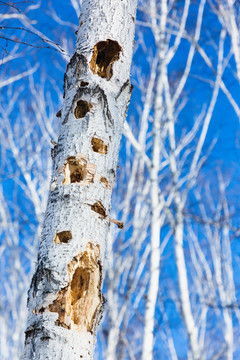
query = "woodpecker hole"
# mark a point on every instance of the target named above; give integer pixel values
(77, 170)
(74, 170)
(99, 209)
(77, 304)
(104, 181)
(83, 83)
(63, 237)
(99, 146)
(81, 109)
(105, 53)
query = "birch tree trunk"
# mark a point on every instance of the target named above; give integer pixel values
(65, 301)
(148, 338)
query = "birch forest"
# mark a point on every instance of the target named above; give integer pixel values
(155, 230)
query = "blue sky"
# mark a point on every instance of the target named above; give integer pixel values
(198, 90)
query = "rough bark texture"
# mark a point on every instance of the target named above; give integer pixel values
(65, 301)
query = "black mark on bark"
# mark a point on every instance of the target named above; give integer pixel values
(59, 113)
(76, 68)
(83, 83)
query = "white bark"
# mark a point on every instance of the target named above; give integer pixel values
(148, 344)
(222, 258)
(190, 323)
(65, 300)
(227, 13)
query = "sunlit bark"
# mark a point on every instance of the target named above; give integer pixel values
(65, 301)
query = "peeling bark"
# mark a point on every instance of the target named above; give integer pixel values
(65, 301)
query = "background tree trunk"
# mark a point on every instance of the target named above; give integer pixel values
(65, 300)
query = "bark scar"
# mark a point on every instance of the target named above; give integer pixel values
(79, 302)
